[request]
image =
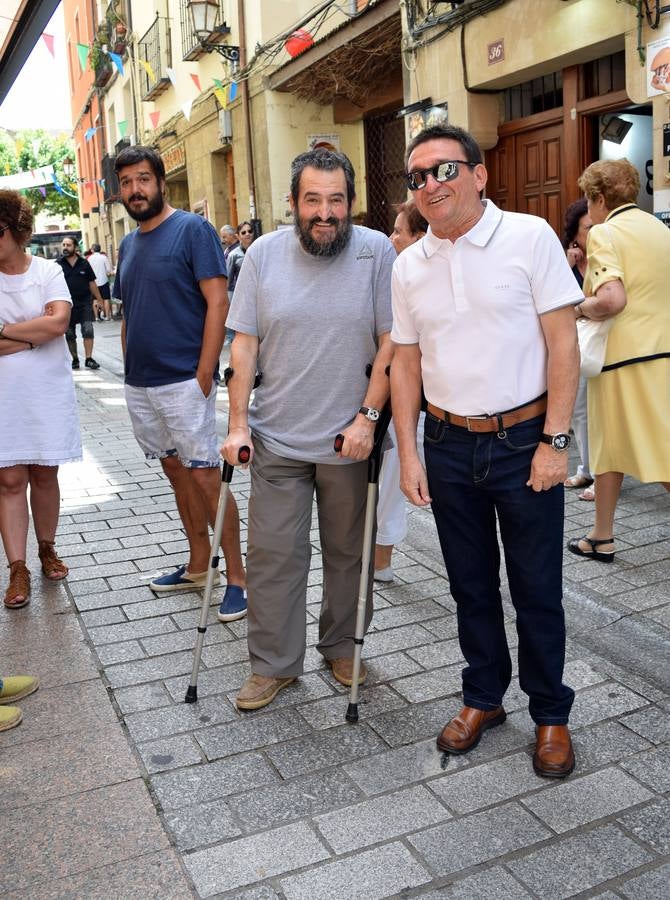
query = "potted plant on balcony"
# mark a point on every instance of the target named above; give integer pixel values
(118, 31)
(100, 63)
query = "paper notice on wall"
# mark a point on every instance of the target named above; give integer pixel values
(325, 141)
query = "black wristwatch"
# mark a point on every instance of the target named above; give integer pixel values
(370, 413)
(559, 442)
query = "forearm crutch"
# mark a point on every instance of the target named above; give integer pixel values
(243, 456)
(374, 465)
(226, 477)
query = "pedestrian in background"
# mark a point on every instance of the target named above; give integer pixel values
(80, 280)
(575, 233)
(627, 280)
(483, 316)
(102, 268)
(408, 228)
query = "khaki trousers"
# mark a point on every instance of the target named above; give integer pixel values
(279, 553)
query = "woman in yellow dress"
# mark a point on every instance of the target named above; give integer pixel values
(628, 278)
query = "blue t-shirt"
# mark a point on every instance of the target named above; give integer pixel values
(157, 279)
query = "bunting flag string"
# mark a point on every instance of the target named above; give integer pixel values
(172, 76)
(222, 97)
(116, 59)
(123, 127)
(233, 90)
(155, 118)
(88, 134)
(49, 41)
(83, 50)
(196, 82)
(186, 109)
(147, 68)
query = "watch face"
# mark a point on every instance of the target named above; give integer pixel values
(560, 441)
(373, 415)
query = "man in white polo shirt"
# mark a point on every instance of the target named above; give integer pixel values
(483, 316)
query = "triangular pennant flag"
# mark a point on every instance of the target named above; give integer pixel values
(83, 52)
(196, 82)
(102, 183)
(186, 109)
(36, 146)
(8, 168)
(172, 76)
(49, 41)
(116, 59)
(18, 146)
(222, 97)
(88, 134)
(233, 90)
(32, 172)
(147, 68)
(43, 191)
(123, 127)
(218, 83)
(89, 185)
(155, 117)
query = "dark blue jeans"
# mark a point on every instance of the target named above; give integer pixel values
(475, 479)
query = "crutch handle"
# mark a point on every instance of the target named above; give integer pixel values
(338, 442)
(243, 456)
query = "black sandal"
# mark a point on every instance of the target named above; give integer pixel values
(601, 555)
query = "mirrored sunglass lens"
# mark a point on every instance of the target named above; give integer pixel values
(446, 171)
(416, 180)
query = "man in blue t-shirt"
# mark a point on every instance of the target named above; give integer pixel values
(171, 277)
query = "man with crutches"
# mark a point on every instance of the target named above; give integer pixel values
(312, 309)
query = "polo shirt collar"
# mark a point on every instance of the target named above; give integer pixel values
(479, 235)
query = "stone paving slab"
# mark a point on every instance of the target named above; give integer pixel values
(296, 803)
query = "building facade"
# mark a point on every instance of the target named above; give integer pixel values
(545, 87)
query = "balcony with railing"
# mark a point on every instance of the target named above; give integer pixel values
(155, 48)
(190, 45)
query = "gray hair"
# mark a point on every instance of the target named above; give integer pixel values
(228, 229)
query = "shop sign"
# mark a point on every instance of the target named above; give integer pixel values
(658, 67)
(496, 52)
(174, 158)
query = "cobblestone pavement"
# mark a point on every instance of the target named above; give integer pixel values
(113, 787)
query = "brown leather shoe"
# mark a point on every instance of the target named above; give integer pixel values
(464, 732)
(343, 670)
(259, 690)
(554, 756)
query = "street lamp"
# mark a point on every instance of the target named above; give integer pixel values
(68, 168)
(204, 15)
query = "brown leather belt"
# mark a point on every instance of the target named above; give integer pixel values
(497, 422)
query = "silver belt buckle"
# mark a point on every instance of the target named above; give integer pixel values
(475, 419)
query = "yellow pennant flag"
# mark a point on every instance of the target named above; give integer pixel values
(222, 97)
(147, 68)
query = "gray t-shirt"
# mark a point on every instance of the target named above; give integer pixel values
(317, 320)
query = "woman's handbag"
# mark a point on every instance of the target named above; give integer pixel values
(592, 337)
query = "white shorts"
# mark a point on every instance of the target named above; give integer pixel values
(175, 420)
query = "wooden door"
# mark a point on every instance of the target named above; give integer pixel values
(525, 173)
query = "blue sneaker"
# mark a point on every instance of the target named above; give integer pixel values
(234, 604)
(181, 580)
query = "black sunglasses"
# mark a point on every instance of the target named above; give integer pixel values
(246, 232)
(444, 171)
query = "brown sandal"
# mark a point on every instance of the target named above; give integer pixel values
(18, 592)
(53, 567)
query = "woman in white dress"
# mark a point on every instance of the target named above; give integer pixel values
(39, 427)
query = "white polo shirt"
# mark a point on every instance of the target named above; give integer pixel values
(473, 306)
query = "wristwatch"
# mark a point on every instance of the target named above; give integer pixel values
(559, 442)
(370, 413)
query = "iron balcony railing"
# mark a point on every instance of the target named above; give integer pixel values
(155, 48)
(190, 45)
